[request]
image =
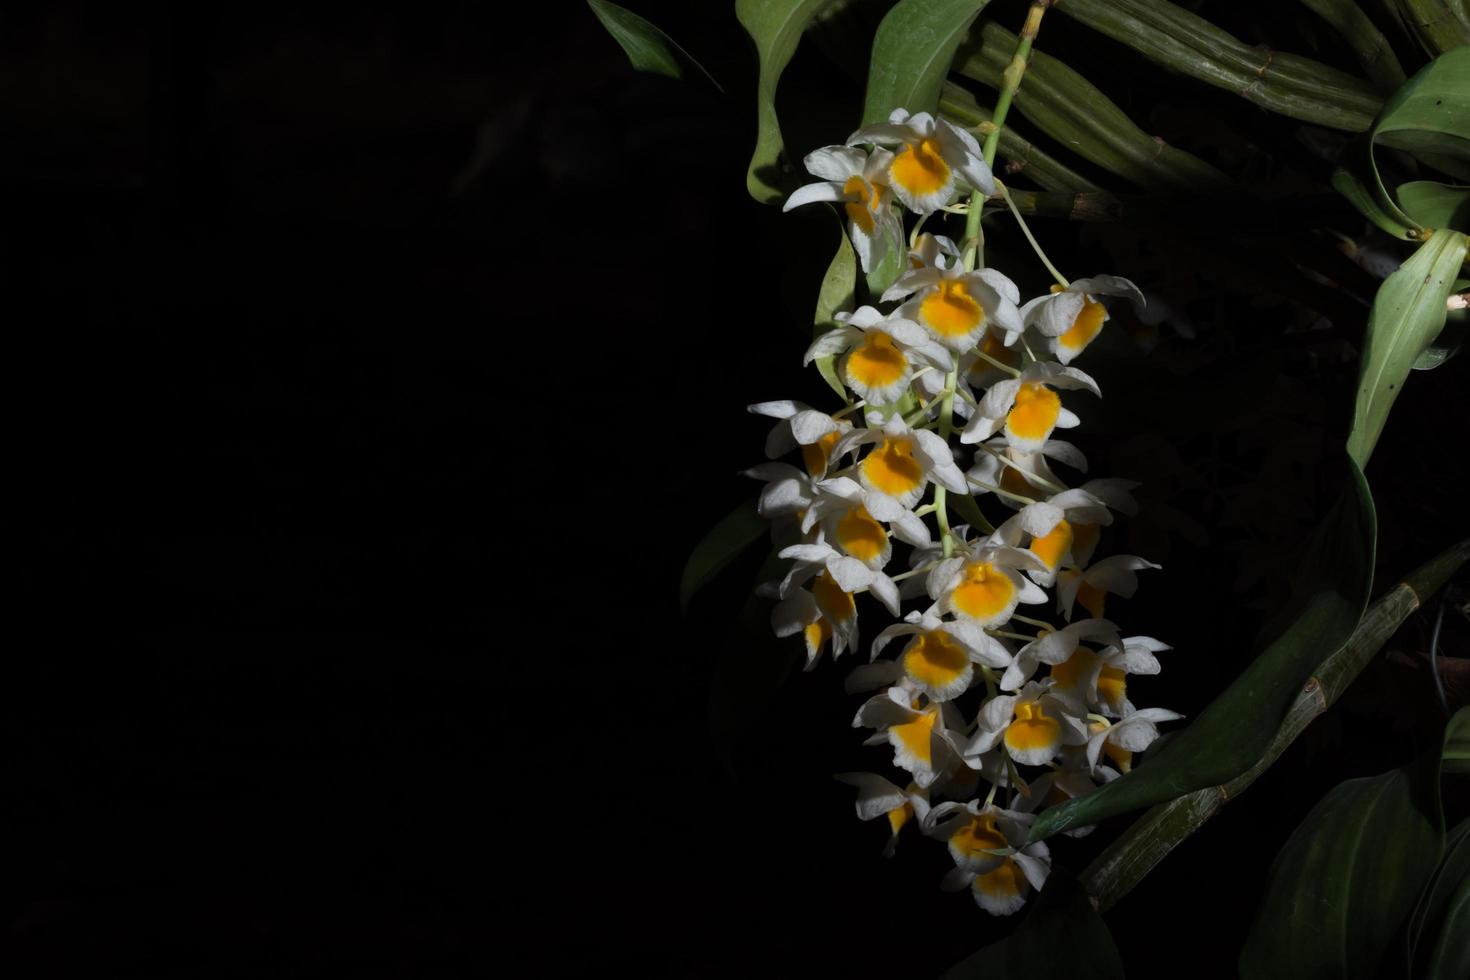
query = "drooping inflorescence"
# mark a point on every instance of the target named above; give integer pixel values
(993, 714)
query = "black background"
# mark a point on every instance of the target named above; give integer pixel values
(378, 367)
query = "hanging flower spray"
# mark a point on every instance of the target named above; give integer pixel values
(992, 714)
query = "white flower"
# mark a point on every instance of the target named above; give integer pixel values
(1121, 739)
(922, 733)
(959, 307)
(856, 180)
(801, 426)
(1055, 648)
(849, 574)
(902, 464)
(1000, 466)
(825, 614)
(878, 797)
(1027, 407)
(922, 174)
(940, 658)
(933, 251)
(879, 353)
(999, 881)
(1090, 587)
(1070, 318)
(1049, 524)
(1033, 725)
(983, 583)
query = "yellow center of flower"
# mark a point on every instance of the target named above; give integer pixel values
(984, 591)
(1035, 412)
(892, 469)
(1071, 673)
(919, 169)
(935, 659)
(950, 310)
(835, 604)
(1121, 757)
(1032, 729)
(876, 362)
(1052, 547)
(899, 816)
(1112, 685)
(1002, 882)
(992, 347)
(979, 835)
(915, 735)
(1085, 327)
(1012, 480)
(816, 634)
(815, 454)
(862, 201)
(860, 536)
(1093, 599)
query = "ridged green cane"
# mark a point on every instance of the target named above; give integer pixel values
(958, 105)
(1074, 112)
(1187, 43)
(1368, 43)
(1125, 862)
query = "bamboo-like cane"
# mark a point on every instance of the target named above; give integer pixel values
(1367, 41)
(1187, 43)
(1151, 837)
(1075, 113)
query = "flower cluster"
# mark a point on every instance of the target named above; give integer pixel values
(992, 714)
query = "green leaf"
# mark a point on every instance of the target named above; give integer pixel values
(1436, 205)
(648, 48)
(1061, 938)
(838, 294)
(1429, 116)
(1346, 881)
(912, 51)
(1407, 315)
(721, 545)
(1450, 339)
(1334, 580)
(1351, 875)
(1437, 913)
(775, 26)
(1450, 958)
(1456, 758)
(1350, 186)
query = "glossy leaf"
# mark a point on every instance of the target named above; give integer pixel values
(1436, 205)
(648, 48)
(1362, 197)
(1407, 315)
(1428, 117)
(1456, 758)
(1061, 938)
(1443, 908)
(912, 52)
(838, 294)
(1346, 881)
(775, 26)
(1333, 581)
(1450, 339)
(721, 545)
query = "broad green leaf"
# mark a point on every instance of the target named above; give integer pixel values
(1346, 881)
(648, 48)
(1061, 938)
(838, 294)
(1450, 957)
(1429, 116)
(1436, 205)
(1333, 582)
(1433, 918)
(1450, 339)
(1352, 874)
(912, 52)
(1456, 758)
(775, 26)
(1350, 186)
(721, 545)
(1407, 315)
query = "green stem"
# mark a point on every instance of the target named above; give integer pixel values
(1011, 79)
(1035, 245)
